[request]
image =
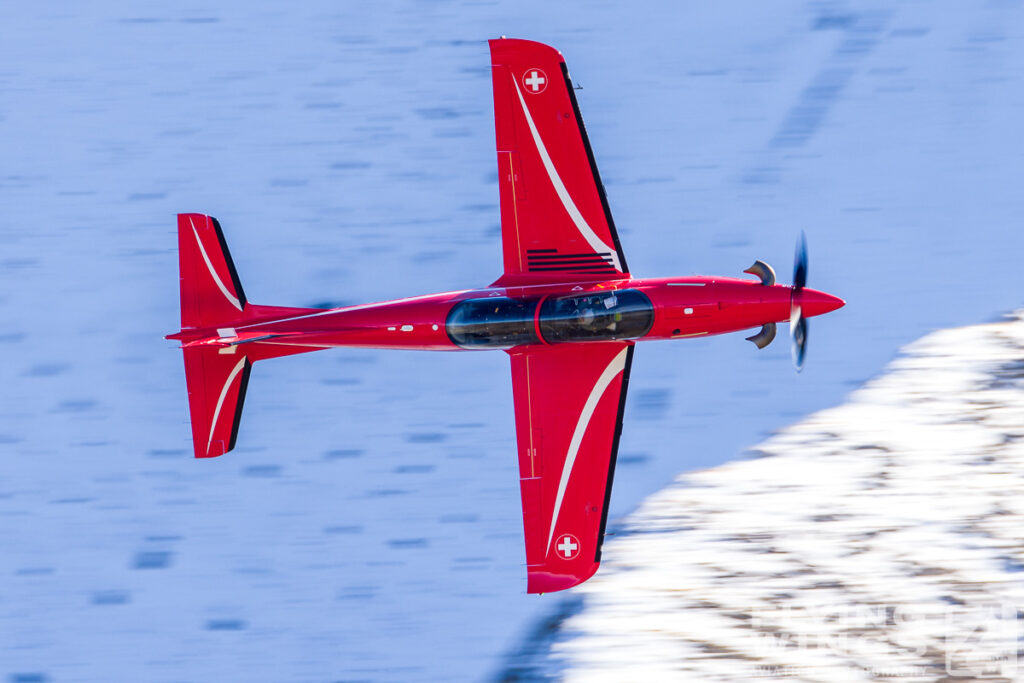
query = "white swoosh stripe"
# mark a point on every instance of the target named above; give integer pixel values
(581, 224)
(346, 309)
(220, 401)
(617, 365)
(233, 299)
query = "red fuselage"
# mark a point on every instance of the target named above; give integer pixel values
(503, 317)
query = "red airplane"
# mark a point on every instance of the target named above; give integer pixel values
(566, 310)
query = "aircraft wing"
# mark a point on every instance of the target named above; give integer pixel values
(569, 400)
(555, 220)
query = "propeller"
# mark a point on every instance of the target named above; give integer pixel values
(797, 321)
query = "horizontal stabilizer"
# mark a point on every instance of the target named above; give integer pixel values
(216, 390)
(211, 293)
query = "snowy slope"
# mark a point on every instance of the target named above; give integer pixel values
(879, 538)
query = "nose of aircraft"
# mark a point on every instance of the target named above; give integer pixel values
(814, 302)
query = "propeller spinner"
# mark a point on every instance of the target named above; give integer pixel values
(804, 303)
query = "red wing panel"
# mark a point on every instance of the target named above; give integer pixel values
(568, 400)
(555, 221)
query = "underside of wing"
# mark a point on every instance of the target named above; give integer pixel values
(555, 220)
(569, 401)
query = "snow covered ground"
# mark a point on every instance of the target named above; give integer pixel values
(878, 539)
(368, 525)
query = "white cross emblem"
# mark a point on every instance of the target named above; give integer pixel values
(535, 81)
(567, 546)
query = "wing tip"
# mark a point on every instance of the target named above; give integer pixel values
(542, 580)
(520, 47)
(213, 450)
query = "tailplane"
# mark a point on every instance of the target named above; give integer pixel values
(218, 353)
(211, 293)
(216, 391)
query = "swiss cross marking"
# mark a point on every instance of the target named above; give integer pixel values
(568, 547)
(535, 80)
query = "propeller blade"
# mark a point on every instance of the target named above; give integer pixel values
(800, 263)
(797, 321)
(798, 329)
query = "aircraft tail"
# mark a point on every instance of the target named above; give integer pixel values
(219, 358)
(211, 292)
(216, 391)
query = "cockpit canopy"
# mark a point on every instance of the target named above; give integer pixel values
(494, 322)
(622, 314)
(503, 322)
